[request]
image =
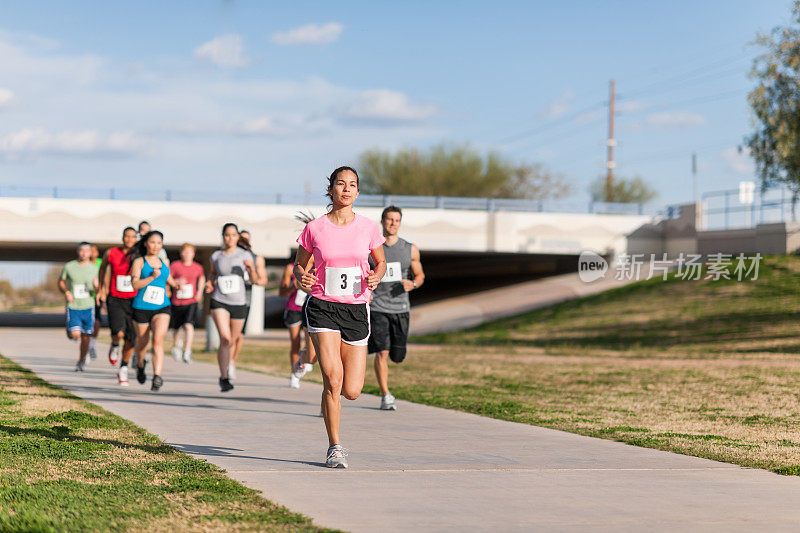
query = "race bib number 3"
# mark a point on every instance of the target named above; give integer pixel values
(393, 272)
(300, 298)
(154, 295)
(80, 291)
(185, 292)
(342, 281)
(229, 284)
(124, 284)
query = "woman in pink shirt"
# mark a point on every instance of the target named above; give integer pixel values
(337, 311)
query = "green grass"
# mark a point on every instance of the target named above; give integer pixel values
(68, 465)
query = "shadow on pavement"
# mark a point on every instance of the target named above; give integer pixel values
(216, 451)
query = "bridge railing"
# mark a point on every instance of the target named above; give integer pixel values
(364, 200)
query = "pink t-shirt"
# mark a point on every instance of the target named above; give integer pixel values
(341, 257)
(187, 278)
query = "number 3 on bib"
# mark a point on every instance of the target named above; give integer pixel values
(342, 281)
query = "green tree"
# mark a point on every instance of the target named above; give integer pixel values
(456, 171)
(775, 103)
(634, 190)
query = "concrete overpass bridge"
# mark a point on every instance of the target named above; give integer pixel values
(466, 244)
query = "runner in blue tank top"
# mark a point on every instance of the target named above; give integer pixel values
(151, 307)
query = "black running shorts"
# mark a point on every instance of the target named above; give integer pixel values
(292, 318)
(389, 332)
(120, 317)
(237, 312)
(350, 320)
(145, 316)
(183, 314)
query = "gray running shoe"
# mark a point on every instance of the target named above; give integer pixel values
(387, 402)
(92, 353)
(79, 366)
(337, 457)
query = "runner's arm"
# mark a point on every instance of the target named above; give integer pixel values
(212, 277)
(376, 274)
(104, 275)
(136, 272)
(201, 282)
(416, 271)
(302, 269)
(261, 270)
(287, 287)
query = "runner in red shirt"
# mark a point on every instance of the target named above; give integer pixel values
(118, 292)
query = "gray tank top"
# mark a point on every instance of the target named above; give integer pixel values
(229, 287)
(390, 296)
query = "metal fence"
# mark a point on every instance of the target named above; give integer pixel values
(364, 200)
(723, 210)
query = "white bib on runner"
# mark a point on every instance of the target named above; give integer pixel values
(80, 291)
(300, 298)
(394, 272)
(342, 281)
(185, 292)
(154, 295)
(229, 284)
(124, 284)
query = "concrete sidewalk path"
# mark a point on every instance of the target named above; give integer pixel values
(420, 468)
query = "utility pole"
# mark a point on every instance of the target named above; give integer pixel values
(611, 142)
(694, 178)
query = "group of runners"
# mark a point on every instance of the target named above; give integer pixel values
(346, 296)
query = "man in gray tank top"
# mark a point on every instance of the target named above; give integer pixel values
(390, 306)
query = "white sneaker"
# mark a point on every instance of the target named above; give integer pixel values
(387, 402)
(294, 381)
(231, 371)
(309, 367)
(337, 457)
(122, 375)
(187, 356)
(114, 354)
(299, 369)
(176, 353)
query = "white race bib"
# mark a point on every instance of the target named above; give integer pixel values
(80, 291)
(342, 281)
(154, 295)
(393, 272)
(229, 284)
(185, 292)
(300, 298)
(124, 284)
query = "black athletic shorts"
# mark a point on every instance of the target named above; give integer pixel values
(183, 314)
(144, 316)
(120, 317)
(237, 312)
(293, 318)
(350, 320)
(389, 332)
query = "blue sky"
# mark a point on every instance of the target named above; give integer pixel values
(268, 96)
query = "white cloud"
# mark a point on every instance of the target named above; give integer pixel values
(33, 141)
(680, 119)
(629, 106)
(738, 162)
(6, 97)
(559, 106)
(386, 107)
(223, 51)
(309, 34)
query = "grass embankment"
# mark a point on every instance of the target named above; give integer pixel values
(68, 465)
(705, 368)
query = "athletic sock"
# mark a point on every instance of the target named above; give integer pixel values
(92, 342)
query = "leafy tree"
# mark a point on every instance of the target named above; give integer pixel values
(634, 190)
(775, 102)
(456, 171)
